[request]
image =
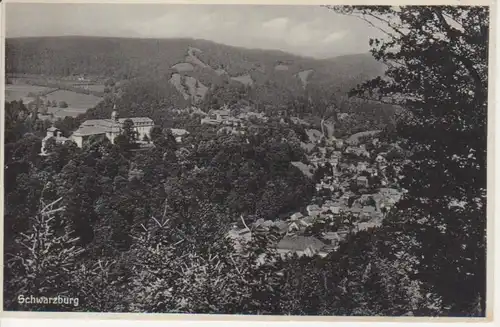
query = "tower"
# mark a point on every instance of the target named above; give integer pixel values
(115, 129)
(114, 114)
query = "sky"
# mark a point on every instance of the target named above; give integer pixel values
(304, 30)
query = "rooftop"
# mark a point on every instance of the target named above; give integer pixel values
(179, 131)
(137, 120)
(91, 130)
(219, 112)
(59, 139)
(300, 243)
(102, 126)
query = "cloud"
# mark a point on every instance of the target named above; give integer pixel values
(334, 37)
(304, 30)
(277, 25)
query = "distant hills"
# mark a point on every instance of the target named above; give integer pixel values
(192, 65)
(179, 72)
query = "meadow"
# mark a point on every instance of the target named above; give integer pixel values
(18, 91)
(77, 103)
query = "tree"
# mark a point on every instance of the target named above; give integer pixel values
(155, 133)
(437, 60)
(129, 132)
(63, 104)
(110, 82)
(44, 107)
(46, 260)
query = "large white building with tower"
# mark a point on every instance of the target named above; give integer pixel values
(111, 128)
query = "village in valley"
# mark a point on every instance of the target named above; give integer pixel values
(355, 187)
(356, 177)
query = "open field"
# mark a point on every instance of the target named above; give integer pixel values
(18, 91)
(77, 103)
(92, 87)
(95, 87)
(66, 112)
(74, 100)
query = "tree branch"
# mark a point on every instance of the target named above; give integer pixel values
(243, 221)
(468, 64)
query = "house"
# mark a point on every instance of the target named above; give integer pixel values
(135, 174)
(344, 199)
(380, 159)
(313, 210)
(332, 237)
(333, 208)
(53, 133)
(264, 223)
(367, 225)
(296, 216)
(179, 134)
(368, 211)
(239, 237)
(362, 181)
(307, 221)
(293, 227)
(282, 226)
(362, 166)
(358, 151)
(305, 169)
(389, 197)
(301, 245)
(299, 121)
(111, 128)
(219, 115)
(216, 117)
(334, 162)
(355, 210)
(251, 114)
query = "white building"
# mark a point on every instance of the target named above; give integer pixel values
(111, 128)
(53, 133)
(179, 134)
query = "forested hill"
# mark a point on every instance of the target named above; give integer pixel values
(188, 63)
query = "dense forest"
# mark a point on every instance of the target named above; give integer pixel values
(83, 223)
(151, 61)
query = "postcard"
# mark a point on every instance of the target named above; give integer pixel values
(299, 161)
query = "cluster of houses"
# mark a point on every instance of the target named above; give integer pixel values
(111, 128)
(366, 208)
(339, 172)
(230, 123)
(368, 211)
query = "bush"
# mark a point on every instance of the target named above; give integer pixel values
(63, 104)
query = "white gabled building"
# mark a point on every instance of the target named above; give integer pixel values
(111, 128)
(53, 133)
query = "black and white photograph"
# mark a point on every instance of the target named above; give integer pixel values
(244, 159)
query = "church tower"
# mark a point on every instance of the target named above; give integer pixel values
(114, 114)
(115, 128)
